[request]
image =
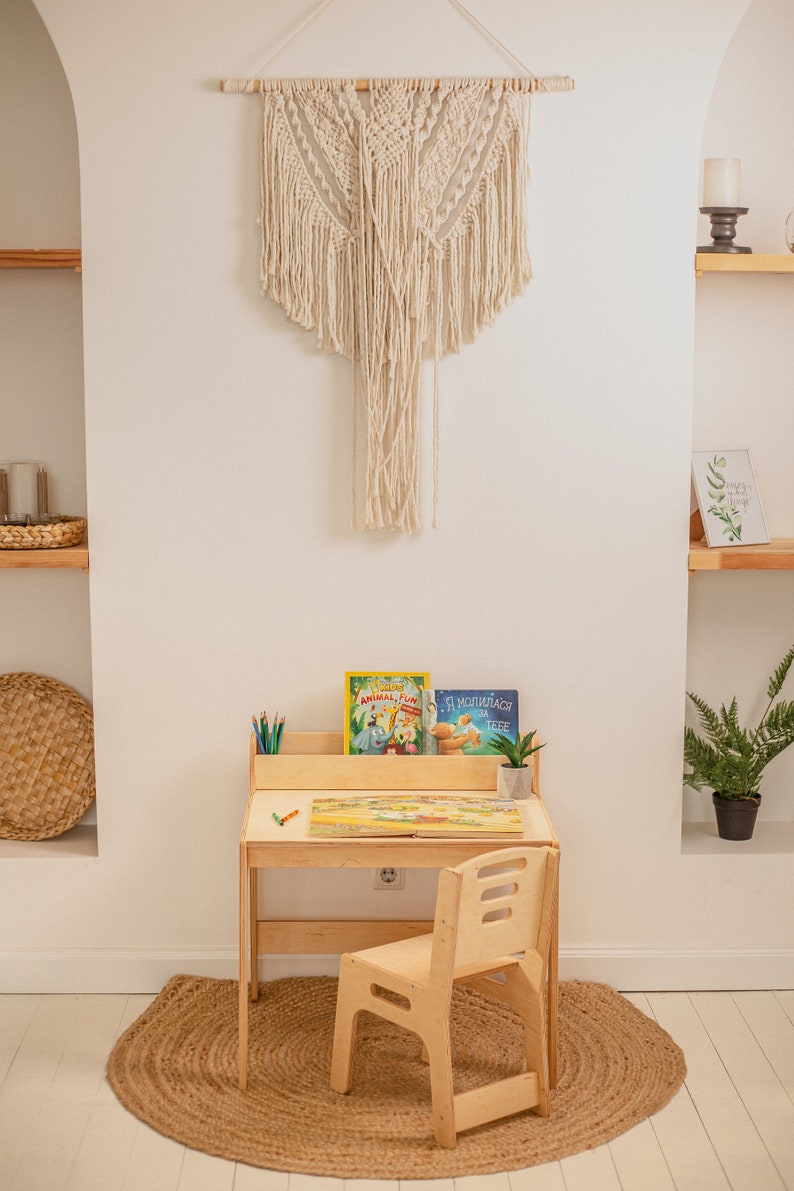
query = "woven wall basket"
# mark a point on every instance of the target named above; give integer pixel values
(66, 531)
(46, 757)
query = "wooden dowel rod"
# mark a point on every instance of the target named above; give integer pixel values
(550, 83)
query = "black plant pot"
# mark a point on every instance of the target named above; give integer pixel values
(735, 816)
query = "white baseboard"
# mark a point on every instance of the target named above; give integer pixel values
(76, 970)
(629, 969)
(647, 970)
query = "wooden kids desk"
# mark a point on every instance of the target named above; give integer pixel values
(311, 764)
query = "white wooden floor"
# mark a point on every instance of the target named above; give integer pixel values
(730, 1127)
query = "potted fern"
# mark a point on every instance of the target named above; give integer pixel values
(514, 776)
(730, 759)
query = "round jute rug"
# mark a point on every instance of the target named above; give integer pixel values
(176, 1069)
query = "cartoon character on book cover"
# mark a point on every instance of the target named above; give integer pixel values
(465, 721)
(383, 714)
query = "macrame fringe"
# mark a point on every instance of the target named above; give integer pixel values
(391, 232)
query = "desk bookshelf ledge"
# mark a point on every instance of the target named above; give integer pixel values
(312, 764)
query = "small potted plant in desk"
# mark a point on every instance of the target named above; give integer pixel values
(514, 776)
(729, 759)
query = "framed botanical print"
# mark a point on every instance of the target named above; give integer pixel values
(728, 498)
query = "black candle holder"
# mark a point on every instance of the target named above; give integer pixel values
(723, 229)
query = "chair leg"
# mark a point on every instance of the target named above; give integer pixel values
(344, 1044)
(440, 1056)
(530, 1003)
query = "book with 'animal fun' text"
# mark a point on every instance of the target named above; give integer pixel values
(383, 713)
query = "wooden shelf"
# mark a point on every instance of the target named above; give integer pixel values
(79, 841)
(71, 557)
(770, 838)
(41, 258)
(777, 555)
(743, 262)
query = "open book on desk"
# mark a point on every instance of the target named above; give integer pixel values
(450, 815)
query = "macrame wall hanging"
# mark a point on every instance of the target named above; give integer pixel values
(394, 224)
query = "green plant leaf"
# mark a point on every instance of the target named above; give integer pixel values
(779, 676)
(729, 758)
(516, 750)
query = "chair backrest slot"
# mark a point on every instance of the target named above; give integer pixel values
(496, 915)
(497, 891)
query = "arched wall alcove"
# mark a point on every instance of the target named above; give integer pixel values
(741, 623)
(45, 612)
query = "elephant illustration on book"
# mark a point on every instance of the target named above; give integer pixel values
(372, 740)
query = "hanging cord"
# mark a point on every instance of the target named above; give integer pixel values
(354, 451)
(456, 4)
(562, 83)
(462, 8)
(309, 21)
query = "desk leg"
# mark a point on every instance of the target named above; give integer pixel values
(242, 1003)
(554, 991)
(253, 927)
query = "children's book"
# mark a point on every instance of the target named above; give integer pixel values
(383, 713)
(465, 722)
(451, 815)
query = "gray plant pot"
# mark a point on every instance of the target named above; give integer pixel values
(514, 783)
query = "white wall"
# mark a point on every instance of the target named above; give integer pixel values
(224, 576)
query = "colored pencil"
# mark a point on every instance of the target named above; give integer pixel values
(259, 741)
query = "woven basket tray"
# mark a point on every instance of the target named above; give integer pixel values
(67, 531)
(46, 757)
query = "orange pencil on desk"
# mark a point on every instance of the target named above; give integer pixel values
(291, 815)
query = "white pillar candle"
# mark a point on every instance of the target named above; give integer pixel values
(23, 492)
(722, 178)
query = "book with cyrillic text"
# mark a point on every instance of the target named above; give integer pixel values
(464, 722)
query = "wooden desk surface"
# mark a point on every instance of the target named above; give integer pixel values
(290, 846)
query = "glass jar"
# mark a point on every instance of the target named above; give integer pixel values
(23, 490)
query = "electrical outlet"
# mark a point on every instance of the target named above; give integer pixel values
(388, 878)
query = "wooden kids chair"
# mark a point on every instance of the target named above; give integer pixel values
(494, 914)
